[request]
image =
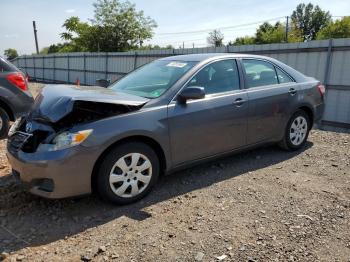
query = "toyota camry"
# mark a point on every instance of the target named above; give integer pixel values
(162, 117)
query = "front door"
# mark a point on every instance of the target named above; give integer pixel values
(214, 124)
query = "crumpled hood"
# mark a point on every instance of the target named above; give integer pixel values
(57, 101)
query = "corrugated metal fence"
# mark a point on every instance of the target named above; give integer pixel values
(326, 60)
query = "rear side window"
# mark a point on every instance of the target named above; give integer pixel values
(283, 77)
(5, 67)
(217, 77)
(259, 73)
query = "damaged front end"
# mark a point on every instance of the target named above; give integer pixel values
(58, 109)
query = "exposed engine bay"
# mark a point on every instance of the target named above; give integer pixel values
(84, 112)
(55, 111)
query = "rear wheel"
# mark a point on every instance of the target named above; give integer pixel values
(297, 131)
(128, 173)
(4, 123)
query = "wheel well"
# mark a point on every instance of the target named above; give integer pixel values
(309, 113)
(8, 110)
(142, 139)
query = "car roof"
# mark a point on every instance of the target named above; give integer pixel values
(209, 56)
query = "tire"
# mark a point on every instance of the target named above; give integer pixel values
(127, 173)
(297, 131)
(4, 123)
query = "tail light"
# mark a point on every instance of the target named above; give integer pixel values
(322, 89)
(18, 80)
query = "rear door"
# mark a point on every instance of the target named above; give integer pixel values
(214, 124)
(271, 93)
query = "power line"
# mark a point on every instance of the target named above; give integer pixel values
(221, 28)
(179, 38)
(231, 27)
(195, 34)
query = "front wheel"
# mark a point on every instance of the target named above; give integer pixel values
(297, 131)
(128, 173)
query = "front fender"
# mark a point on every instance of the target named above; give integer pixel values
(151, 124)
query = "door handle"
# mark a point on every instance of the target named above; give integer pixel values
(239, 102)
(292, 91)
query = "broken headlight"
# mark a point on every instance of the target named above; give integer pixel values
(14, 126)
(65, 140)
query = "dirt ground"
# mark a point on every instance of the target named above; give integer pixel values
(261, 205)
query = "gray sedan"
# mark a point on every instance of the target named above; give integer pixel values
(162, 117)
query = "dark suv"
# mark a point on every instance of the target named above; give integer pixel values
(15, 98)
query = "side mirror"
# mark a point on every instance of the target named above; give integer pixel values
(103, 82)
(191, 92)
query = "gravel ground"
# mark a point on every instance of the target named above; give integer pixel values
(35, 87)
(261, 205)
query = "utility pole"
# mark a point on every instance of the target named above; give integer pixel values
(36, 37)
(287, 28)
(183, 45)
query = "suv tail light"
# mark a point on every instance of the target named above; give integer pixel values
(322, 89)
(18, 80)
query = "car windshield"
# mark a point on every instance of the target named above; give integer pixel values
(154, 79)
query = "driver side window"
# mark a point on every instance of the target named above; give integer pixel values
(217, 77)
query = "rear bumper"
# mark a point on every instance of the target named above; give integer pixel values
(18, 103)
(57, 174)
(318, 113)
(21, 104)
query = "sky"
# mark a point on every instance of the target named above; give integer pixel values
(171, 16)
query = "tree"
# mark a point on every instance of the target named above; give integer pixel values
(81, 36)
(56, 48)
(310, 20)
(10, 53)
(44, 50)
(117, 26)
(154, 47)
(268, 34)
(295, 35)
(215, 38)
(120, 26)
(245, 40)
(337, 29)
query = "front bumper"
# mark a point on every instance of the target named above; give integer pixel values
(56, 174)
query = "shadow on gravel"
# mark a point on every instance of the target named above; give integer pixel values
(26, 220)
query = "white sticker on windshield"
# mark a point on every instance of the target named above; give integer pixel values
(177, 64)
